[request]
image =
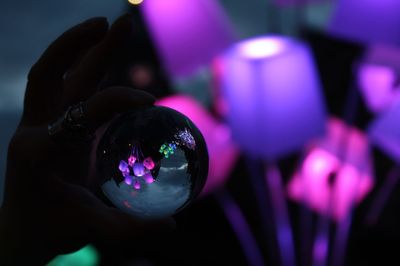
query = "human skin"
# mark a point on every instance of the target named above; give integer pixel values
(48, 207)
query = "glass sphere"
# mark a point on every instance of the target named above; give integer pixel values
(152, 162)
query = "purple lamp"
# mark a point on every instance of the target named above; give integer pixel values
(272, 91)
(367, 21)
(378, 76)
(187, 33)
(274, 107)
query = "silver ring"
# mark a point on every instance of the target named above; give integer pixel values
(72, 127)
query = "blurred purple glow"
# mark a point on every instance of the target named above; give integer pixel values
(385, 131)
(241, 227)
(222, 151)
(377, 84)
(274, 104)
(353, 180)
(367, 21)
(188, 33)
(378, 76)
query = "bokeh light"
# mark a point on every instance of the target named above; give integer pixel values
(135, 2)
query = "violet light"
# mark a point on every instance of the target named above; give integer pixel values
(273, 95)
(367, 21)
(378, 76)
(187, 33)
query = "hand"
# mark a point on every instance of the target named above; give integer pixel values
(48, 208)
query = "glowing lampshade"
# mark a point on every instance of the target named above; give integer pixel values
(187, 33)
(222, 152)
(385, 131)
(367, 21)
(378, 77)
(272, 91)
(331, 179)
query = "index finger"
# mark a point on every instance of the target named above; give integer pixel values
(83, 82)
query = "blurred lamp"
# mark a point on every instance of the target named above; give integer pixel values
(135, 2)
(330, 181)
(378, 77)
(222, 152)
(272, 92)
(187, 33)
(367, 21)
(87, 256)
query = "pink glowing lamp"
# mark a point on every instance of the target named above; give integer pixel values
(378, 77)
(187, 33)
(222, 151)
(331, 181)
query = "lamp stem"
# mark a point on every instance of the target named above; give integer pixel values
(321, 242)
(284, 232)
(352, 104)
(306, 225)
(383, 195)
(260, 190)
(320, 249)
(241, 228)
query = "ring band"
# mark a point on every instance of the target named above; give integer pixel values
(71, 127)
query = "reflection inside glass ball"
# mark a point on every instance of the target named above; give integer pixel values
(152, 163)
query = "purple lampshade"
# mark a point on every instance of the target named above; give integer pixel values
(367, 21)
(273, 96)
(331, 179)
(187, 33)
(385, 132)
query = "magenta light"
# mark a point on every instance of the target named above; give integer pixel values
(385, 131)
(377, 84)
(131, 160)
(187, 33)
(367, 21)
(272, 92)
(223, 153)
(378, 76)
(148, 163)
(329, 182)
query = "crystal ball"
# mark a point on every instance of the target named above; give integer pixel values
(151, 163)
